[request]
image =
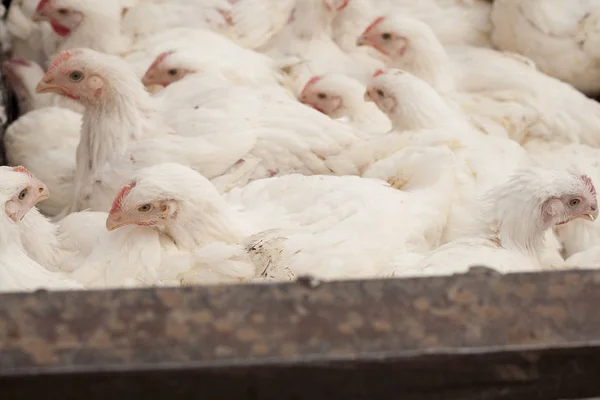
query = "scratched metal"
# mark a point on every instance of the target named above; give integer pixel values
(480, 334)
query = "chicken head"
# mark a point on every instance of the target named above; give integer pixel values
(61, 15)
(410, 102)
(86, 76)
(165, 70)
(22, 191)
(384, 37)
(577, 201)
(132, 207)
(321, 96)
(378, 92)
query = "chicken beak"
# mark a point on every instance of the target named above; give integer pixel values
(362, 41)
(46, 85)
(592, 215)
(43, 194)
(39, 16)
(115, 220)
(147, 80)
(153, 88)
(367, 96)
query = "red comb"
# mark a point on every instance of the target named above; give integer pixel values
(377, 73)
(343, 5)
(23, 170)
(61, 58)
(374, 24)
(336, 4)
(160, 58)
(589, 183)
(119, 199)
(311, 82)
(42, 4)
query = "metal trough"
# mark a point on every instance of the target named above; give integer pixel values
(474, 336)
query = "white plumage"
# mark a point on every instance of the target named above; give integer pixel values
(230, 141)
(18, 271)
(563, 38)
(562, 112)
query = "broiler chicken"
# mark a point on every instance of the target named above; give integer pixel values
(29, 39)
(323, 225)
(308, 37)
(19, 192)
(45, 141)
(420, 115)
(119, 113)
(512, 220)
(455, 22)
(177, 62)
(340, 96)
(563, 113)
(562, 38)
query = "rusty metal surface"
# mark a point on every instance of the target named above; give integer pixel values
(473, 336)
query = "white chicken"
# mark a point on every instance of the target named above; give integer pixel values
(455, 22)
(252, 23)
(30, 40)
(19, 192)
(232, 141)
(172, 65)
(420, 115)
(512, 221)
(563, 113)
(308, 37)
(324, 225)
(563, 38)
(45, 141)
(119, 113)
(79, 23)
(340, 96)
(579, 235)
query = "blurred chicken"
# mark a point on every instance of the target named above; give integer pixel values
(307, 36)
(420, 115)
(30, 40)
(23, 76)
(119, 113)
(173, 65)
(342, 97)
(562, 38)
(564, 114)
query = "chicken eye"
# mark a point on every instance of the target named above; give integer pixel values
(574, 202)
(145, 208)
(63, 11)
(172, 72)
(76, 76)
(386, 36)
(380, 93)
(23, 194)
(322, 96)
